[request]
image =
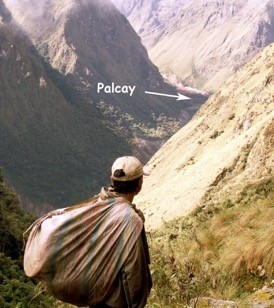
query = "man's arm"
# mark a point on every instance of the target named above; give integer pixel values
(135, 277)
(134, 281)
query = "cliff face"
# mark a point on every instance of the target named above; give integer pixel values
(225, 154)
(205, 42)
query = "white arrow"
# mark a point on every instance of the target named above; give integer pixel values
(179, 96)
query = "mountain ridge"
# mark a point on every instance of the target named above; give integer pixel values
(38, 132)
(202, 43)
(82, 62)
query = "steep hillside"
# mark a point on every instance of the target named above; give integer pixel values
(58, 135)
(202, 43)
(47, 145)
(16, 289)
(216, 257)
(150, 18)
(90, 42)
(225, 154)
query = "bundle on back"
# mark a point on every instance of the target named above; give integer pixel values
(78, 251)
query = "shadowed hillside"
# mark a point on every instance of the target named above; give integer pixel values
(59, 136)
(47, 146)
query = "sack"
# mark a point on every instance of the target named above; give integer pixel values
(78, 251)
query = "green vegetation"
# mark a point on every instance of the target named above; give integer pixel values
(16, 289)
(124, 124)
(224, 252)
(13, 220)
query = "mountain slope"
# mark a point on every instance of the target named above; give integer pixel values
(205, 42)
(58, 135)
(47, 146)
(150, 18)
(224, 154)
(90, 42)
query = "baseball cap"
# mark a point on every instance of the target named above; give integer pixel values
(127, 168)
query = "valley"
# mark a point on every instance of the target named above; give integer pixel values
(201, 43)
(77, 99)
(185, 86)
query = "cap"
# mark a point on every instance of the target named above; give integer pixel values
(127, 168)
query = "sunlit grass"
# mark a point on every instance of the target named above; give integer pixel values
(226, 255)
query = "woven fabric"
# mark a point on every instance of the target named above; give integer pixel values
(78, 251)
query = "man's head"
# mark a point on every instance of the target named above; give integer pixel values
(127, 175)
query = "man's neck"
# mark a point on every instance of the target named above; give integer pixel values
(129, 197)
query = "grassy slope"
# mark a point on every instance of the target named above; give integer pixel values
(224, 252)
(226, 146)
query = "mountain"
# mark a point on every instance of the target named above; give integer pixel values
(90, 42)
(47, 146)
(150, 18)
(59, 136)
(223, 155)
(202, 43)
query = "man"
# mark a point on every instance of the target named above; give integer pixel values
(95, 253)
(133, 282)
